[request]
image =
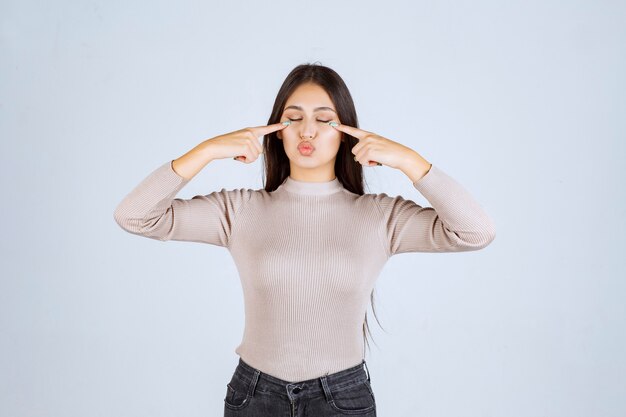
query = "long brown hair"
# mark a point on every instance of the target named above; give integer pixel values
(347, 170)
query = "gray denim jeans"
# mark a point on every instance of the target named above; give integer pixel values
(250, 392)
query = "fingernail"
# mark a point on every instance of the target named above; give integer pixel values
(333, 124)
(287, 122)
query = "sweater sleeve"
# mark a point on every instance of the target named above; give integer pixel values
(150, 210)
(455, 222)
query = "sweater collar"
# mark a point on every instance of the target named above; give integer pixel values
(312, 188)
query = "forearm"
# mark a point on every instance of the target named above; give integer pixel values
(194, 161)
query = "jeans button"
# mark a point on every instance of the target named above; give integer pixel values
(297, 390)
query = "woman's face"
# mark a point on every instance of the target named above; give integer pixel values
(310, 109)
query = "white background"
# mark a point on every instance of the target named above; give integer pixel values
(522, 102)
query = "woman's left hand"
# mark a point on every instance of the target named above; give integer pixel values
(374, 149)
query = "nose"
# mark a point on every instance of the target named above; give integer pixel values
(308, 128)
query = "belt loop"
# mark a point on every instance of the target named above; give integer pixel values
(368, 371)
(324, 381)
(255, 380)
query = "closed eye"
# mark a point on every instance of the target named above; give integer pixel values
(297, 120)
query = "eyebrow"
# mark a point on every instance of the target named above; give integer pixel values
(314, 110)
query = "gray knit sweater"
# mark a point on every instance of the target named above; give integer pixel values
(308, 254)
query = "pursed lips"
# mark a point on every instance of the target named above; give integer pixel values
(305, 145)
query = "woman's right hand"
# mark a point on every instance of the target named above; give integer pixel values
(242, 145)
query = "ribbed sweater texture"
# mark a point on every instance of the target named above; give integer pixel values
(308, 254)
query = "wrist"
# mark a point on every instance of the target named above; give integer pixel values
(206, 148)
(415, 167)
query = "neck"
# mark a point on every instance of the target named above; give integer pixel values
(295, 186)
(320, 173)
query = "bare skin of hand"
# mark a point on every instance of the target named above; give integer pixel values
(374, 149)
(242, 145)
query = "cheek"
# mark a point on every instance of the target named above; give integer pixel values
(336, 137)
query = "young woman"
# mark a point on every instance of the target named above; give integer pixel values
(309, 245)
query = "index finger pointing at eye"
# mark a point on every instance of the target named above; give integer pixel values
(352, 131)
(264, 130)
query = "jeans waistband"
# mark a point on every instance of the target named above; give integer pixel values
(315, 386)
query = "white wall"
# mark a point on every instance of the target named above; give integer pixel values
(523, 102)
